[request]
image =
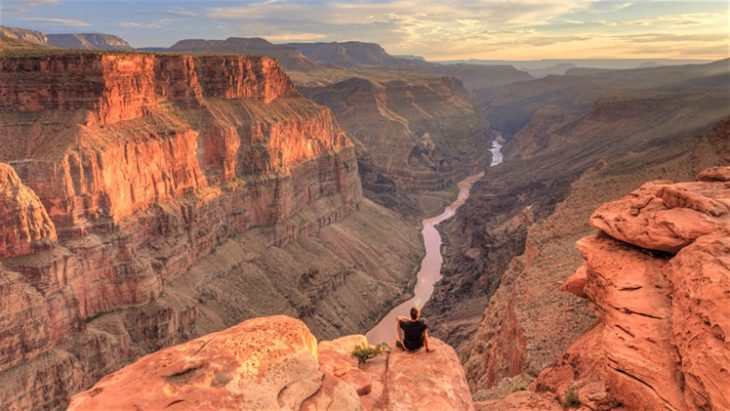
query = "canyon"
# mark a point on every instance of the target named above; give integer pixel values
(211, 225)
(512, 243)
(152, 199)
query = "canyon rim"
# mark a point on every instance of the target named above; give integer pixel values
(225, 205)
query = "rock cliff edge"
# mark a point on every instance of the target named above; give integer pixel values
(272, 363)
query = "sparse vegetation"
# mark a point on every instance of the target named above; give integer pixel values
(518, 385)
(571, 399)
(365, 351)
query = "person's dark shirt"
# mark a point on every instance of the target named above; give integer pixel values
(413, 333)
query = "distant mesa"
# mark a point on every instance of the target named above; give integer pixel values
(89, 41)
(23, 38)
(288, 57)
(11, 37)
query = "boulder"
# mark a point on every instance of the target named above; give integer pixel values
(261, 364)
(427, 380)
(662, 340)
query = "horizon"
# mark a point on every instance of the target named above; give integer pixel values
(525, 30)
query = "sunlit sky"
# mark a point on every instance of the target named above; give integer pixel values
(437, 30)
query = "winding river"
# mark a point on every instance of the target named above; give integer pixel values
(430, 271)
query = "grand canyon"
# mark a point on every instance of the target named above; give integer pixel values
(225, 224)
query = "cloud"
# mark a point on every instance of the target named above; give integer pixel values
(295, 37)
(11, 10)
(155, 24)
(672, 37)
(34, 2)
(58, 21)
(179, 11)
(678, 20)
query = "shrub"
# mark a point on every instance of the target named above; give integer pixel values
(571, 399)
(517, 385)
(365, 351)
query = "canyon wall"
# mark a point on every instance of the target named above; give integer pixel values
(512, 243)
(658, 281)
(151, 199)
(276, 363)
(414, 133)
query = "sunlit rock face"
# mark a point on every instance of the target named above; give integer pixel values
(658, 280)
(24, 220)
(121, 172)
(275, 362)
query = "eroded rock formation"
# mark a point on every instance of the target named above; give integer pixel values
(24, 221)
(187, 193)
(658, 279)
(276, 363)
(513, 240)
(417, 133)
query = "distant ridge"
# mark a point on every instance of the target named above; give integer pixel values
(288, 57)
(89, 41)
(12, 37)
(356, 54)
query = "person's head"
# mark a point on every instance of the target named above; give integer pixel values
(415, 313)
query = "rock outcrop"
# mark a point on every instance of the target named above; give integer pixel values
(153, 199)
(24, 221)
(524, 217)
(529, 303)
(658, 280)
(275, 363)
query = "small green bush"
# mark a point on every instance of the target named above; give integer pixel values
(517, 385)
(365, 351)
(571, 399)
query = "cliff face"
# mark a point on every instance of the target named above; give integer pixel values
(290, 58)
(528, 301)
(658, 280)
(416, 134)
(24, 219)
(513, 239)
(276, 363)
(156, 198)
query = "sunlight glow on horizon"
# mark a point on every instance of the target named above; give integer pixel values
(462, 29)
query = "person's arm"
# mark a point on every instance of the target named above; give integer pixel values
(398, 329)
(425, 341)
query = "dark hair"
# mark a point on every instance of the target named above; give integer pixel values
(414, 313)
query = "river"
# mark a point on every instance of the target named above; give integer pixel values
(430, 271)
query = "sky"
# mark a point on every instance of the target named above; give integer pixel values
(435, 29)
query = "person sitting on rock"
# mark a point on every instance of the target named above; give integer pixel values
(412, 332)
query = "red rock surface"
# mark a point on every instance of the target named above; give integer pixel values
(264, 363)
(145, 164)
(275, 363)
(424, 380)
(520, 401)
(661, 341)
(23, 218)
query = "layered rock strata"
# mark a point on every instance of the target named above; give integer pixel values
(416, 133)
(276, 363)
(529, 321)
(141, 187)
(658, 281)
(513, 239)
